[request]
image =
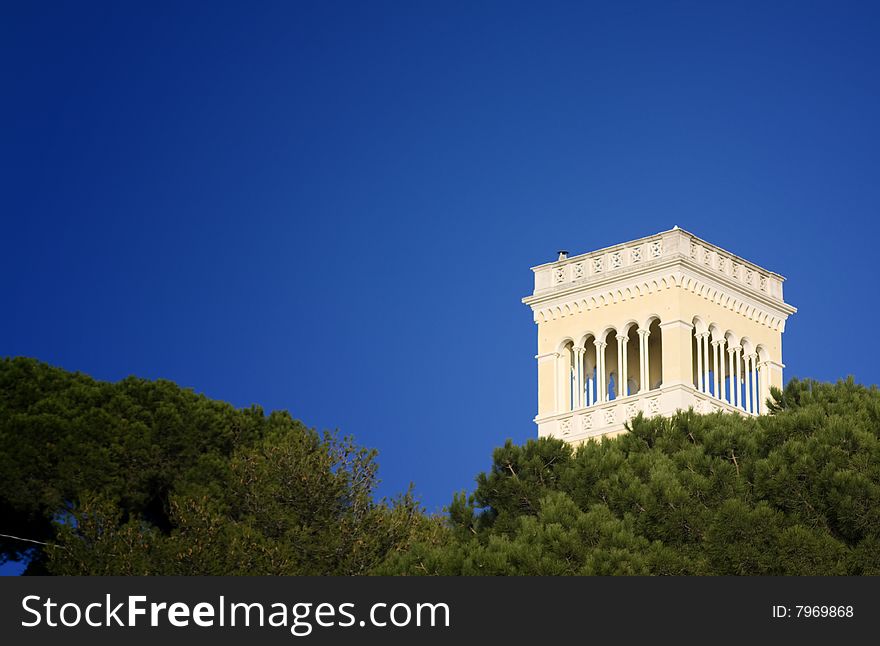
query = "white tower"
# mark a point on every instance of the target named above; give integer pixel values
(658, 324)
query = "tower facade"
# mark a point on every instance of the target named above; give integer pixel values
(659, 324)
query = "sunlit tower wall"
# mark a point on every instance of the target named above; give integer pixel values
(655, 325)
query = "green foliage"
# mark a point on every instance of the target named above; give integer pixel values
(295, 503)
(144, 477)
(794, 492)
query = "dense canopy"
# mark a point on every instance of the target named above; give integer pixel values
(793, 492)
(142, 477)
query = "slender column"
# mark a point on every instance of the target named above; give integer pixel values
(621, 366)
(731, 396)
(590, 391)
(699, 338)
(583, 377)
(753, 359)
(604, 374)
(706, 366)
(737, 350)
(748, 368)
(578, 377)
(601, 390)
(719, 370)
(604, 382)
(760, 375)
(643, 351)
(760, 402)
(716, 382)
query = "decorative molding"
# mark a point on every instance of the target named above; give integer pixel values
(706, 407)
(656, 248)
(579, 303)
(635, 254)
(565, 426)
(612, 416)
(673, 247)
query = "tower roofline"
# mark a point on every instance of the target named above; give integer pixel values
(621, 245)
(673, 247)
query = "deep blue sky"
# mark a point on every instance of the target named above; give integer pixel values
(333, 207)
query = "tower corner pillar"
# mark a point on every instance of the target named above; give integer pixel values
(676, 341)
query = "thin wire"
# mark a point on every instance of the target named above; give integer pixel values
(26, 540)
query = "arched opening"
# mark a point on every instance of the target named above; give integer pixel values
(589, 381)
(610, 386)
(633, 361)
(654, 368)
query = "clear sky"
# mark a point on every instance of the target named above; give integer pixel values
(333, 207)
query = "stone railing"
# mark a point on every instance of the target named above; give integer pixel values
(597, 264)
(676, 243)
(706, 404)
(611, 416)
(734, 268)
(606, 417)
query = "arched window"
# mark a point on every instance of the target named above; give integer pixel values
(633, 360)
(654, 372)
(589, 371)
(610, 362)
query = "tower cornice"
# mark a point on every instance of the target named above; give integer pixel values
(674, 274)
(668, 248)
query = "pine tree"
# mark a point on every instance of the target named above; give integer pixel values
(793, 492)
